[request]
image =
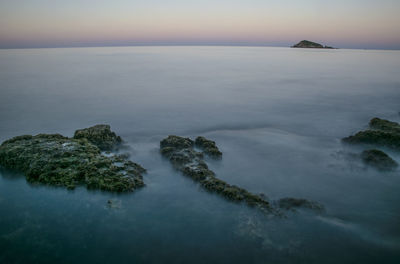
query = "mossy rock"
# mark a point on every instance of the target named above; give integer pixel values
(384, 125)
(60, 161)
(180, 152)
(99, 135)
(378, 159)
(375, 137)
(382, 133)
(208, 146)
(176, 142)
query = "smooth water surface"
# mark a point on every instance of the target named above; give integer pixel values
(277, 114)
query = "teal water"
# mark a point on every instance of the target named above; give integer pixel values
(277, 114)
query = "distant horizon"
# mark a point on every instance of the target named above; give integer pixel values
(347, 24)
(186, 45)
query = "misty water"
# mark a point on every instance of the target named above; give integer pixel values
(277, 114)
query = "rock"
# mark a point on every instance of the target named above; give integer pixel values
(310, 44)
(208, 146)
(184, 158)
(176, 142)
(378, 159)
(99, 135)
(384, 125)
(60, 161)
(382, 133)
(292, 203)
(372, 137)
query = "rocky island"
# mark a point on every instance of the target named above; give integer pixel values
(310, 44)
(53, 159)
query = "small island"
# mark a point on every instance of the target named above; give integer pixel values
(310, 45)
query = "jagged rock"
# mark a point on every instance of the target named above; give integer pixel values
(60, 161)
(99, 135)
(208, 146)
(292, 203)
(310, 44)
(378, 159)
(382, 133)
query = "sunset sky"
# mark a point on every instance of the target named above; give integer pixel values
(63, 23)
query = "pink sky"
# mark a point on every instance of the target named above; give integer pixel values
(47, 23)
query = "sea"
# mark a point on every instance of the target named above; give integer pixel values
(277, 114)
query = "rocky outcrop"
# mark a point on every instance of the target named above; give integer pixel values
(99, 135)
(378, 159)
(381, 133)
(310, 44)
(184, 158)
(61, 161)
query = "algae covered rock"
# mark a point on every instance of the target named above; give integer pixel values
(99, 135)
(375, 137)
(378, 159)
(381, 133)
(180, 152)
(384, 125)
(184, 158)
(208, 146)
(176, 142)
(60, 161)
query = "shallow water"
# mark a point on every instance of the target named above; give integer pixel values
(277, 114)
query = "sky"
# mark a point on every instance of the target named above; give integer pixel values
(67, 23)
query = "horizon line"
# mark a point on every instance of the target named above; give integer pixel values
(174, 45)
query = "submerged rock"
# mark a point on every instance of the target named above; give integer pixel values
(184, 158)
(114, 204)
(99, 135)
(378, 159)
(208, 146)
(291, 203)
(60, 161)
(382, 133)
